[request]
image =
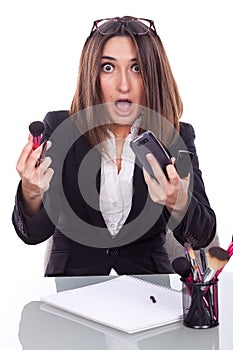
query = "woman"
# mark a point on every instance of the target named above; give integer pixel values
(103, 211)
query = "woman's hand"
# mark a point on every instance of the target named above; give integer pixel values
(35, 179)
(172, 191)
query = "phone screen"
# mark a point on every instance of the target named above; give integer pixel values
(148, 143)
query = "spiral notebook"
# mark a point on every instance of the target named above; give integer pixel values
(126, 303)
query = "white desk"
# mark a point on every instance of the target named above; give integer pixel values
(27, 325)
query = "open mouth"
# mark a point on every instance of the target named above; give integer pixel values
(123, 107)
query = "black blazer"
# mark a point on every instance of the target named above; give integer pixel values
(82, 244)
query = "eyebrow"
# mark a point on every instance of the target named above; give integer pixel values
(114, 59)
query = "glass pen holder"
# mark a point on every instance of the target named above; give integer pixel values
(200, 304)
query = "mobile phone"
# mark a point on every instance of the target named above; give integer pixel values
(183, 163)
(146, 143)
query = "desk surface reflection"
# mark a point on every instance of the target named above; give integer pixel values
(41, 326)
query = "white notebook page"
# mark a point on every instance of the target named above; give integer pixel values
(123, 303)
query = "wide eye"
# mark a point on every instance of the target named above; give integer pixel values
(107, 67)
(135, 68)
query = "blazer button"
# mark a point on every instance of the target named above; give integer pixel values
(112, 251)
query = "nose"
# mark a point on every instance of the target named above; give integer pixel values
(123, 83)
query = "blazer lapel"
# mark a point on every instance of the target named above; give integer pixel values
(88, 160)
(140, 194)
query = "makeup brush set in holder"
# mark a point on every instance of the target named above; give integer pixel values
(200, 284)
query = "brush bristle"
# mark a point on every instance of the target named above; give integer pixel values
(219, 253)
(217, 257)
(181, 266)
(36, 128)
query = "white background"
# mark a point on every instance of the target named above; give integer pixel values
(41, 43)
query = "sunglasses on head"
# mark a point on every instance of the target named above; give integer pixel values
(137, 26)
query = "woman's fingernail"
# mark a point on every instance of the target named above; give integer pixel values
(149, 156)
(49, 144)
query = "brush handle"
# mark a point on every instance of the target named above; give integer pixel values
(230, 249)
(208, 275)
(203, 259)
(198, 304)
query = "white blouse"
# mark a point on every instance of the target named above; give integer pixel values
(116, 189)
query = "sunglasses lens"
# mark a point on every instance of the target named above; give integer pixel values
(138, 27)
(108, 27)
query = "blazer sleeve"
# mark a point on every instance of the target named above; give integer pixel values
(36, 229)
(31, 230)
(198, 226)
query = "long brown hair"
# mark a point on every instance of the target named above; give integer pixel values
(161, 92)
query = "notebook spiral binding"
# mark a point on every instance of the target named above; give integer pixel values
(152, 284)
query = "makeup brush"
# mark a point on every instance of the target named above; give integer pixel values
(195, 268)
(230, 248)
(217, 258)
(182, 267)
(230, 253)
(203, 259)
(36, 129)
